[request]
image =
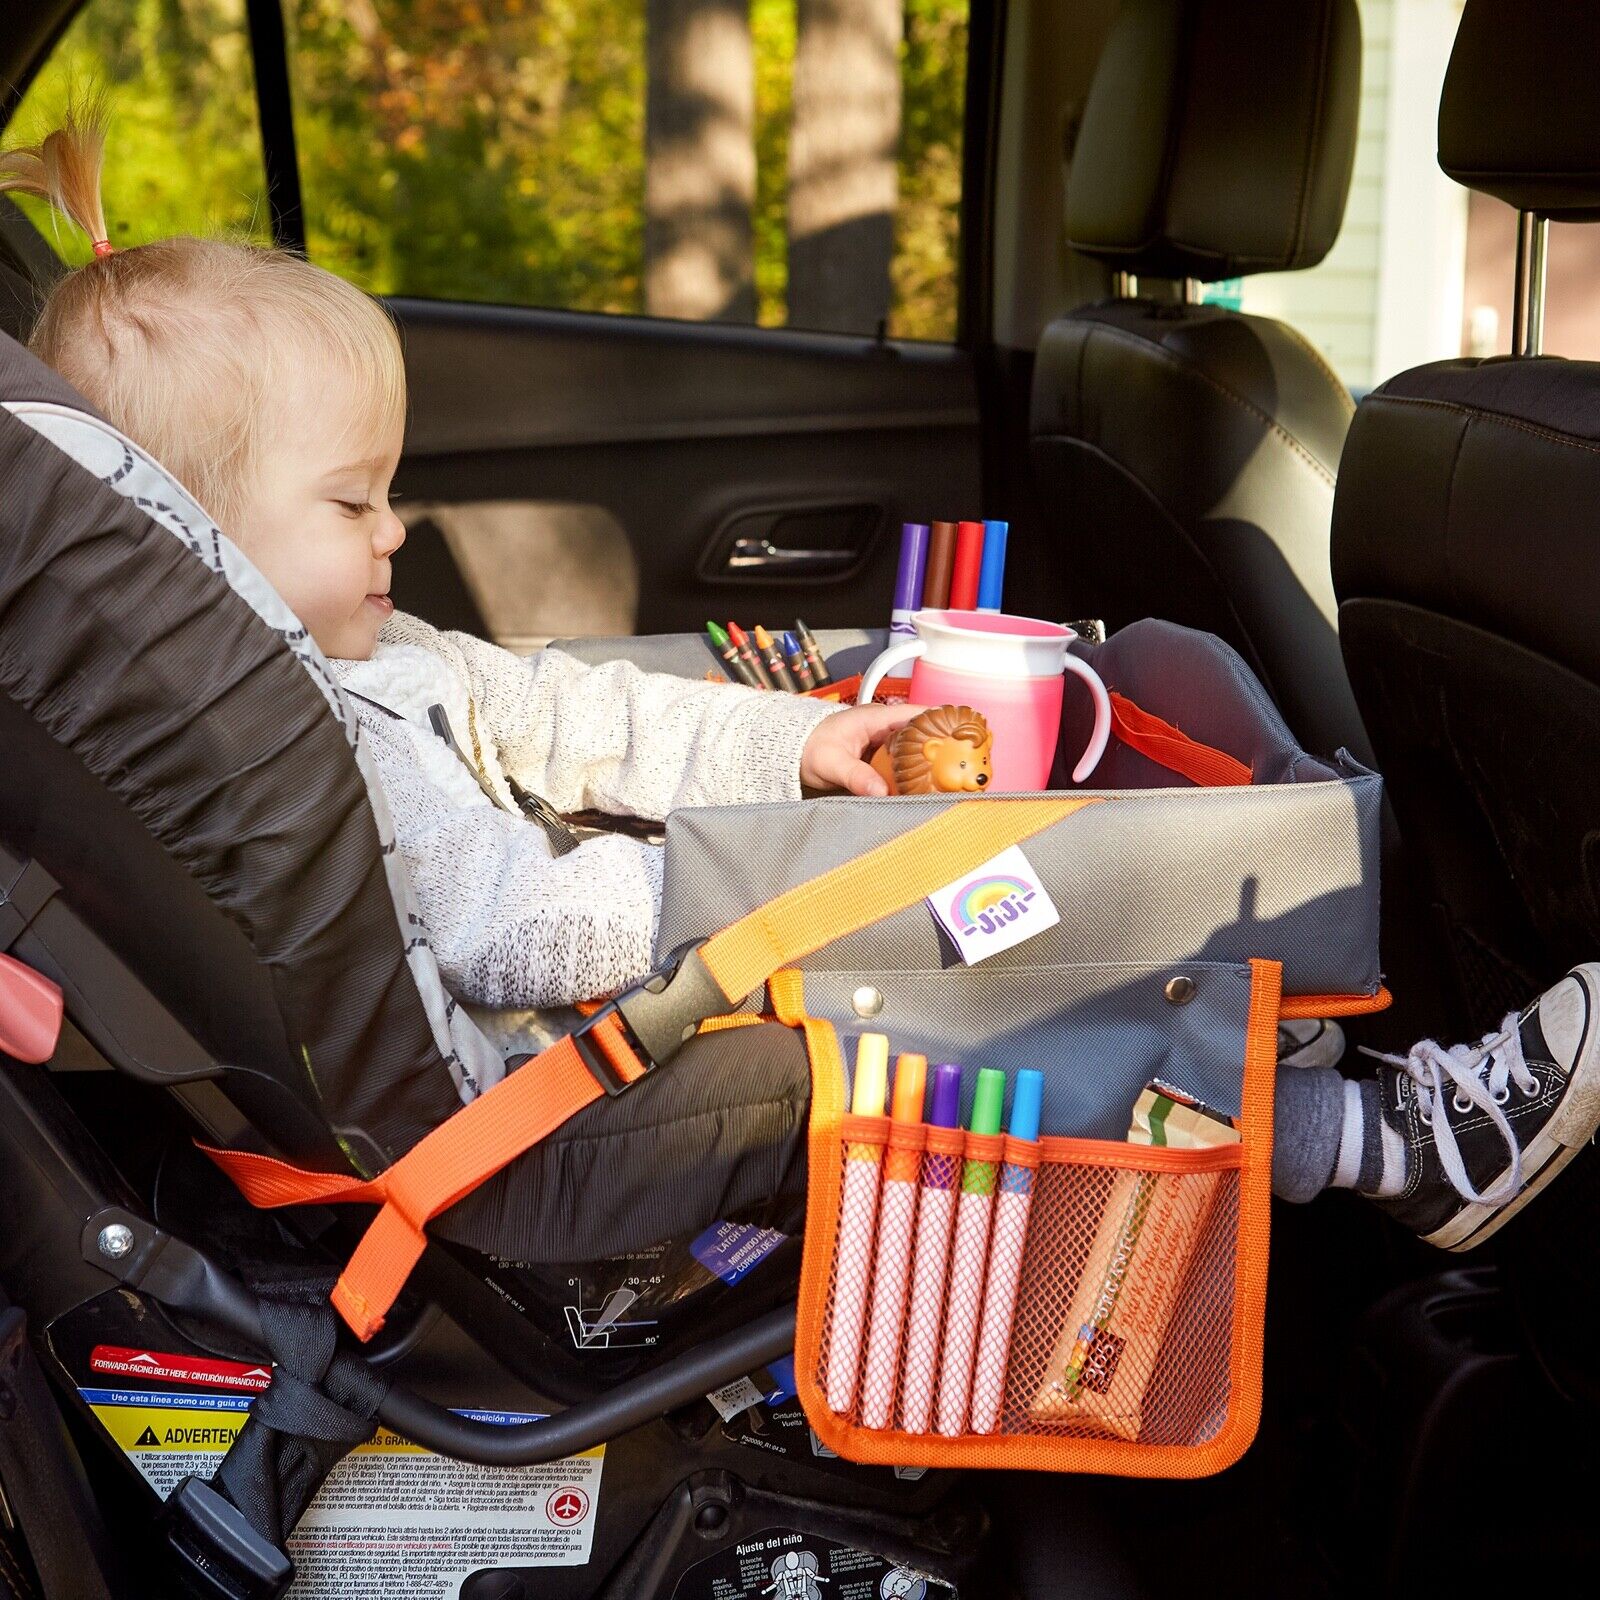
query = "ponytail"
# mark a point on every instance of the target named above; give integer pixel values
(64, 169)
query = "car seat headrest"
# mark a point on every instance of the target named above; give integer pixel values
(147, 645)
(1517, 115)
(1218, 137)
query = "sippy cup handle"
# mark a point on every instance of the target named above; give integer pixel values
(905, 650)
(1090, 758)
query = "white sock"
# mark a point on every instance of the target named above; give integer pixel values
(1372, 1155)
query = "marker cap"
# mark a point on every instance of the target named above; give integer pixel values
(946, 1109)
(871, 1086)
(992, 572)
(1026, 1100)
(988, 1103)
(910, 1079)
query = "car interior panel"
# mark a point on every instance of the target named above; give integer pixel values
(195, 851)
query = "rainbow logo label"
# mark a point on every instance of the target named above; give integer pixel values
(997, 906)
(989, 903)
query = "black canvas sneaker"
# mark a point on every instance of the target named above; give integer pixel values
(1487, 1126)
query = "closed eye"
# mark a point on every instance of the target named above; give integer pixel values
(354, 508)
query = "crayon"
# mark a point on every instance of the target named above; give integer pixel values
(936, 1211)
(966, 567)
(738, 669)
(967, 1257)
(796, 657)
(897, 1210)
(908, 577)
(1011, 1208)
(858, 1211)
(936, 573)
(819, 667)
(747, 654)
(992, 572)
(772, 660)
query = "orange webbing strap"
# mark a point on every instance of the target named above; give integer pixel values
(529, 1104)
(1173, 749)
(462, 1152)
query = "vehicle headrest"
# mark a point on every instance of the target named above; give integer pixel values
(146, 645)
(1218, 137)
(1517, 115)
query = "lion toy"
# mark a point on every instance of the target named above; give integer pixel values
(943, 751)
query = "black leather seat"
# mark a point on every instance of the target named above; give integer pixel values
(1186, 454)
(27, 266)
(1466, 557)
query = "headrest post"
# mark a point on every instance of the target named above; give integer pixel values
(1190, 292)
(1527, 301)
(1534, 344)
(1124, 286)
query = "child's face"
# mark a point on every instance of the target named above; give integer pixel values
(318, 524)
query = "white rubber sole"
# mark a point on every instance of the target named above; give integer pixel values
(1561, 1138)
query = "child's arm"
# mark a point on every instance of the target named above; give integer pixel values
(617, 739)
(510, 925)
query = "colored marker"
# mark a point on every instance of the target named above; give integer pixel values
(908, 577)
(936, 574)
(747, 654)
(968, 564)
(1011, 1209)
(819, 667)
(936, 1211)
(858, 1211)
(967, 1257)
(796, 657)
(729, 651)
(992, 572)
(897, 1211)
(772, 659)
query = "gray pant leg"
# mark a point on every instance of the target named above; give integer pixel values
(1306, 1121)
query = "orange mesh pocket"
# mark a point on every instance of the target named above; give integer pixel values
(1072, 1305)
(1125, 1328)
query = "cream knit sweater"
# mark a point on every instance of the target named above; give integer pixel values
(512, 925)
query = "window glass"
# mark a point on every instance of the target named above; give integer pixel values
(184, 150)
(784, 162)
(1389, 295)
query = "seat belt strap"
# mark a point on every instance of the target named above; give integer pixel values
(603, 1056)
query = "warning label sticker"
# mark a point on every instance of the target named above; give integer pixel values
(393, 1521)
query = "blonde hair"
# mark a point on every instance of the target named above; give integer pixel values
(185, 344)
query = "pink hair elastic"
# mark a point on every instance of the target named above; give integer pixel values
(103, 247)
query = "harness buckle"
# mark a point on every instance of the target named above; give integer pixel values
(657, 1016)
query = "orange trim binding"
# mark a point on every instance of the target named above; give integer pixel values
(1300, 1007)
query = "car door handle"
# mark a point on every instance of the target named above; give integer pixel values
(763, 556)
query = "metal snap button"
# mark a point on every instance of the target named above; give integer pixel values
(867, 1001)
(1179, 991)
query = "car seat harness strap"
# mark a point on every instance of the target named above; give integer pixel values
(629, 1037)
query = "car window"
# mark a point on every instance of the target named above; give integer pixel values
(184, 153)
(790, 163)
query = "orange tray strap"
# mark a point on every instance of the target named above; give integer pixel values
(529, 1104)
(1173, 749)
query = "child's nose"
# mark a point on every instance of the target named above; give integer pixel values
(391, 534)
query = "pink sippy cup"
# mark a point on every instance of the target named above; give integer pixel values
(1010, 669)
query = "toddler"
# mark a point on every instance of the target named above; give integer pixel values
(276, 393)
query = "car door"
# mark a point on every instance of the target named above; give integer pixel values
(683, 284)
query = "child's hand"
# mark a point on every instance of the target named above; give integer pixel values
(835, 754)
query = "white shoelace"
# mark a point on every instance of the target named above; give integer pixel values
(1429, 1065)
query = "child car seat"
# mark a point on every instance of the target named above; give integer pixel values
(193, 846)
